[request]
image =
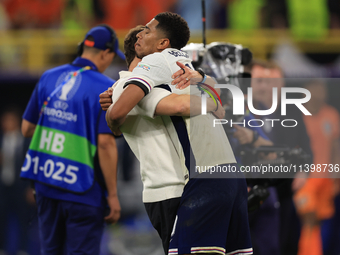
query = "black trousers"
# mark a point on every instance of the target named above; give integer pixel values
(162, 215)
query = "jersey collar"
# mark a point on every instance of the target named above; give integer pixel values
(84, 62)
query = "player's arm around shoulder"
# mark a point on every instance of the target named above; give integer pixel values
(142, 80)
(108, 157)
(187, 105)
(117, 112)
(173, 104)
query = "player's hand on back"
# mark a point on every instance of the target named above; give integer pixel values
(105, 99)
(182, 78)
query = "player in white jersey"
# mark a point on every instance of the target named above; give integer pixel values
(162, 167)
(212, 217)
(154, 141)
(149, 135)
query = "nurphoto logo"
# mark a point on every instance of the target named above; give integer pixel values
(238, 106)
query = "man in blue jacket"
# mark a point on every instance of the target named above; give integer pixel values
(72, 158)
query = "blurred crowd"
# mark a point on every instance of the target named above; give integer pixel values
(124, 14)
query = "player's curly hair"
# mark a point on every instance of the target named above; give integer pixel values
(129, 44)
(174, 27)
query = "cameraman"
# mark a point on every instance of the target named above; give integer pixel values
(281, 221)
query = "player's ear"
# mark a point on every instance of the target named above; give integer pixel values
(163, 44)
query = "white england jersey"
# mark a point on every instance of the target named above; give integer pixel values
(210, 144)
(155, 143)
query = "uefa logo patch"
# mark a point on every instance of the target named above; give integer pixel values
(71, 86)
(144, 67)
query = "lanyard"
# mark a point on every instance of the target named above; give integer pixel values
(66, 80)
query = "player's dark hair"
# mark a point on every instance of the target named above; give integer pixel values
(129, 44)
(175, 29)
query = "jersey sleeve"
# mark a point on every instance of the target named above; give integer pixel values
(32, 110)
(147, 106)
(153, 70)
